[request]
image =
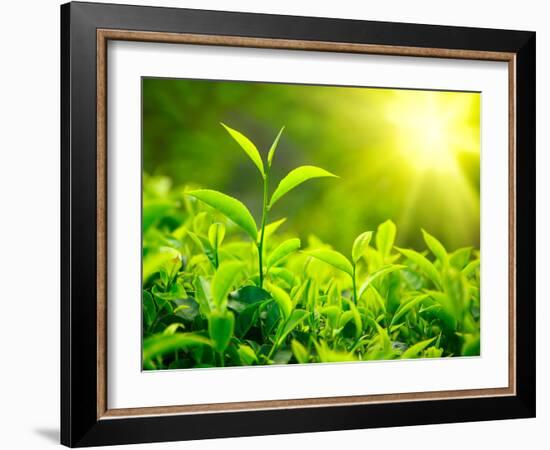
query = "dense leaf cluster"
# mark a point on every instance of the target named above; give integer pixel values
(220, 290)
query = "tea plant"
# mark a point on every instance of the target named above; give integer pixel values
(218, 290)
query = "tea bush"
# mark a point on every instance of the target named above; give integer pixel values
(220, 290)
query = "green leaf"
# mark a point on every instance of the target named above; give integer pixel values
(216, 233)
(176, 292)
(360, 245)
(377, 274)
(282, 357)
(271, 228)
(159, 344)
(356, 319)
(471, 268)
(164, 257)
(406, 307)
(250, 295)
(283, 250)
(220, 329)
(204, 244)
(172, 328)
(202, 294)
(149, 310)
(285, 275)
(274, 147)
(300, 352)
(423, 263)
(460, 258)
(414, 350)
(471, 346)
(295, 178)
(187, 309)
(230, 207)
(332, 313)
(223, 281)
(281, 298)
(297, 316)
(247, 145)
(435, 247)
(385, 237)
(201, 222)
(333, 258)
(154, 210)
(247, 355)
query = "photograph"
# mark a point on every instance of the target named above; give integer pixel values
(301, 223)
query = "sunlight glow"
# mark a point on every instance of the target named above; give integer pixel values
(431, 128)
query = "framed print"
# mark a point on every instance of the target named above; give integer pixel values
(276, 224)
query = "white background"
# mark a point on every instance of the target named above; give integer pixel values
(29, 190)
(129, 387)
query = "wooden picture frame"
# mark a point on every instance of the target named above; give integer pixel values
(86, 418)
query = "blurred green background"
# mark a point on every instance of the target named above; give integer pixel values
(406, 155)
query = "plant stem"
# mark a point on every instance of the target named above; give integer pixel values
(264, 219)
(354, 286)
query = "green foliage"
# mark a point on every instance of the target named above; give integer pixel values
(214, 296)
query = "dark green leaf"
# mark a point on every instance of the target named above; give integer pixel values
(220, 329)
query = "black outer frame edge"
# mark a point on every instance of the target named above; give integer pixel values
(525, 222)
(79, 426)
(65, 334)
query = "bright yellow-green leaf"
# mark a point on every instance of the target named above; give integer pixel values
(247, 145)
(274, 147)
(153, 262)
(414, 350)
(216, 233)
(356, 319)
(172, 328)
(271, 228)
(423, 263)
(333, 258)
(247, 355)
(460, 258)
(283, 250)
(406, 307)
(223, 281)
(300, 352)
(230, 207)
(360, 245)
(282, 298)
(295, 178)
(377, 274)
(385, 237)
(160, 344)
(436, 247)
(471, 268)
(297, 316)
